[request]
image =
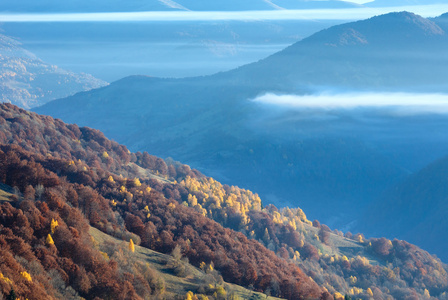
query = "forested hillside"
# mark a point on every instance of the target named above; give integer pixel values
(63, 178)
(78, 171)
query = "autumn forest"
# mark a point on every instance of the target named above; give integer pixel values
(58, 180)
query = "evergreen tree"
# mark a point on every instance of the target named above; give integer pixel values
(12, 295)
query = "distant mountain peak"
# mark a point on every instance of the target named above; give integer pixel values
(398, 15)
(387, 29)
(400, 19)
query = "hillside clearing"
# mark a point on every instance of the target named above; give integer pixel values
(176, 285)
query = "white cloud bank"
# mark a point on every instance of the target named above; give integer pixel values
(401, 103)
(305, 14)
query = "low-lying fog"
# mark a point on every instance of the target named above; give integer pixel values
(395, 103)
(431, 10)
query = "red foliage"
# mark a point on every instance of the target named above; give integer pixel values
(381, 246)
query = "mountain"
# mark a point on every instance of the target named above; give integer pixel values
(288, 156)
(397, 51)
(28, 81)
(415, 210)
(60, 179)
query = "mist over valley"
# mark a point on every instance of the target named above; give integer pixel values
(340, 159)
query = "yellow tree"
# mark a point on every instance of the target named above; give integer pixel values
(131, 246)
(26, 275)
(53, 225)
(359, 238)
(192, 200)
(49, 240)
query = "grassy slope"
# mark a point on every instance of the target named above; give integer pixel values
(180, 286)
(175, 285)
(147, 174)
(339, 245)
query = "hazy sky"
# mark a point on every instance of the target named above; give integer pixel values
(334, 14)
